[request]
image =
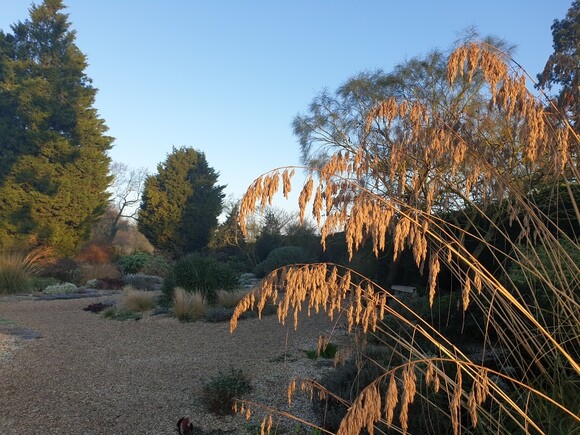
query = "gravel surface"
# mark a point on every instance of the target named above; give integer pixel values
(67, 371)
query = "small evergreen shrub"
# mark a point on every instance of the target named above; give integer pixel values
(131, 264)
(143, 282)
(97, 307)
(248, 280)
(218, 314)
(201, 274)
(64, 270)
(327, 352)
(221, 391)
(39, 283)
(156, 265)
(283, 256)
(121, 314)
(60, 289)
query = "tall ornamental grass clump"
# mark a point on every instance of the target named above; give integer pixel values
(17, 268)
(489, 171)
(188, 306)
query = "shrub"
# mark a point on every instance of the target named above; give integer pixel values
(327, 351)
(157, 265)
(64, 270)
(62, 288)
(95, 253)
(143, 282)
(39, 283)
(131, 264)
(97, 307)
(100, 271)
(121, 314)
(187, 306)
(247, 280)
(200, 274)
(218, 314)
(136, 300)
(283, 256)
(221, 391)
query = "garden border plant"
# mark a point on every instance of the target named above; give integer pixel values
(411, 162)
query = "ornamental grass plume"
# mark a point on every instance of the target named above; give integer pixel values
(17, 267)
(431, 186)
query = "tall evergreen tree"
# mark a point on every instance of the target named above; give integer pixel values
(181, 203)
(53, 148)
(563, 65)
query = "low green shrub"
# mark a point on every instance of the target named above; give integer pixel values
(39, 283)
(156, 265)
(200, 274)
(64, 270)
(283, 256)
(221, 391)
(120, 314)
(134, 263)
(143, 282)
(218, 314)
(327, 352)
(59, 289)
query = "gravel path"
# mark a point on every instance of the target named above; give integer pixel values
(68, 371)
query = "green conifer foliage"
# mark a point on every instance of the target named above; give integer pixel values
(53, 148)
(181, 203)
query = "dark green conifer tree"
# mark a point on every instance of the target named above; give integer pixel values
(181, 203)
(53, 148)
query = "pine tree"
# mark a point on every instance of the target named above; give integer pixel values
(54, 164)
(181, 203)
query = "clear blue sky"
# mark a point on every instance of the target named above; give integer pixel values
(227, 76)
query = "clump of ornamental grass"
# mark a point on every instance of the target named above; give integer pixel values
(188, 306)
(17, 268)
(229, 299)
(137, 300)
(430, 185)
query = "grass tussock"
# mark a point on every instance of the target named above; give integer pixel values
(229, 299)
(188, 306)
(137, 300)
(17, 268)
(445, 193)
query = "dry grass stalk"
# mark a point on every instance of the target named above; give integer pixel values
(411, 169)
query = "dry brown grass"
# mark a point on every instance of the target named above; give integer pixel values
(411, 167)
(188, 306)
(98, 271)
(137, 300)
